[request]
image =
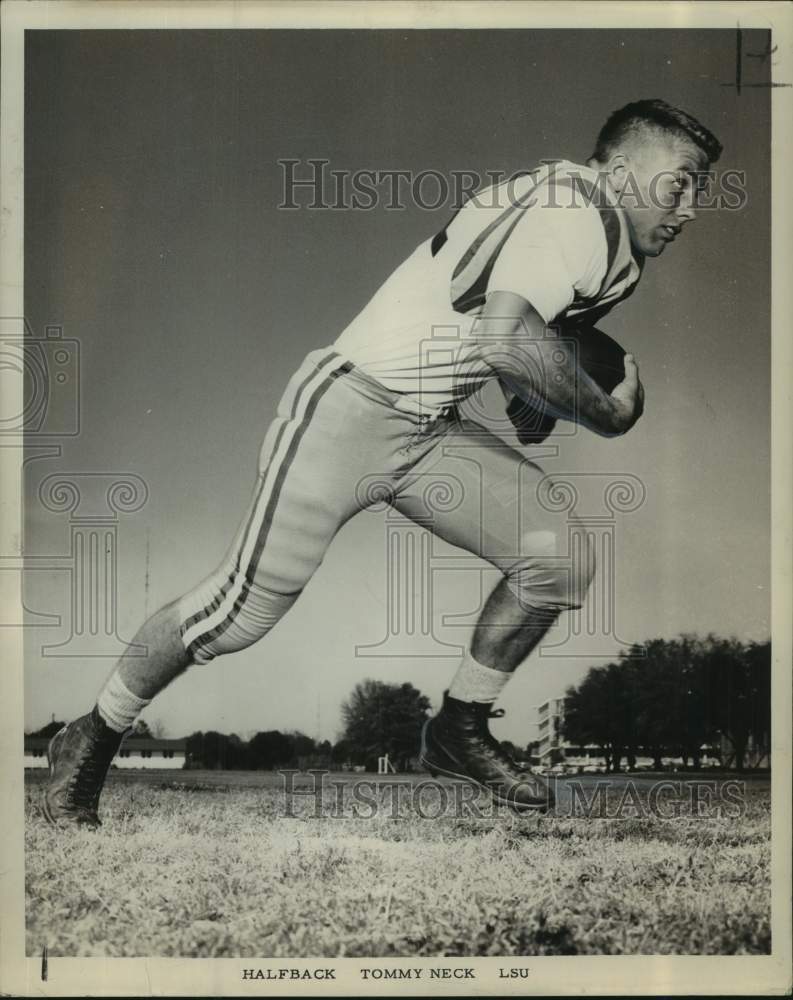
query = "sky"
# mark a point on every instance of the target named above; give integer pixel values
(153, 237)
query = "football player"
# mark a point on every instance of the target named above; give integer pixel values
(552, 249)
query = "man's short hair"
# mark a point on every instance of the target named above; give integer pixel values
(656, 115)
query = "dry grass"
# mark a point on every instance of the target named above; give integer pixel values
(218, 869)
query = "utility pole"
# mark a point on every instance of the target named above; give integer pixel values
(146, 579)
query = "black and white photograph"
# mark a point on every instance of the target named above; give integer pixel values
(396, 412)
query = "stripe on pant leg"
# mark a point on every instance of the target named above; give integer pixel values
(219, 621)
(210, 608)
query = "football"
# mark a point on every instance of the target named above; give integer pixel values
(600, 356)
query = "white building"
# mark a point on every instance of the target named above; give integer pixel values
(551, 748)
(134, 752)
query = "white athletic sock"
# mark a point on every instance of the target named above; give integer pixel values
(117, 705)
(475, 682)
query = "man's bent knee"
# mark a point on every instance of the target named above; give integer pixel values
(217, 621)
(550, 581)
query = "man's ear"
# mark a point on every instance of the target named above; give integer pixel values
(617, 170)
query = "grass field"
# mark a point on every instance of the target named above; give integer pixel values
(226, 864)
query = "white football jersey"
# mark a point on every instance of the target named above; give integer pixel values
(554, 236)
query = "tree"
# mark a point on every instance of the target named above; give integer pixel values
(738, 680)
(270, 750)
(672, 696)
(759, 660)
(382, 718)
(237, 754)
(157, 729)
(599, 712)
(49, 730)
(302, 745)
(141, 731)
(343, 752)
(209, 750)
(693, 699)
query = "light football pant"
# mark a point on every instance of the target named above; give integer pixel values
(342, 442)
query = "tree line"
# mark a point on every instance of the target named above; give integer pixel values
(671, 697)
(662, 698)
(263, 751)
(378, 719)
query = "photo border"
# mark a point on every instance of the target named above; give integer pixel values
(550, 975)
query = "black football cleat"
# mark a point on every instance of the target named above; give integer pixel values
(79, 756)
(458, 744)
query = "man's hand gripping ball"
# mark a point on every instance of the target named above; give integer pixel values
(606, 362)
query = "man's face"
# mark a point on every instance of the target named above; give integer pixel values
(658, 176)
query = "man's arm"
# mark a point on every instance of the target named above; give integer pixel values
(525, 356)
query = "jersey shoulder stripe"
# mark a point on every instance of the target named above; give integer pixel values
(472, 272)
(481, 257)
(440, 239)
(470, 277)
(594, 194)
